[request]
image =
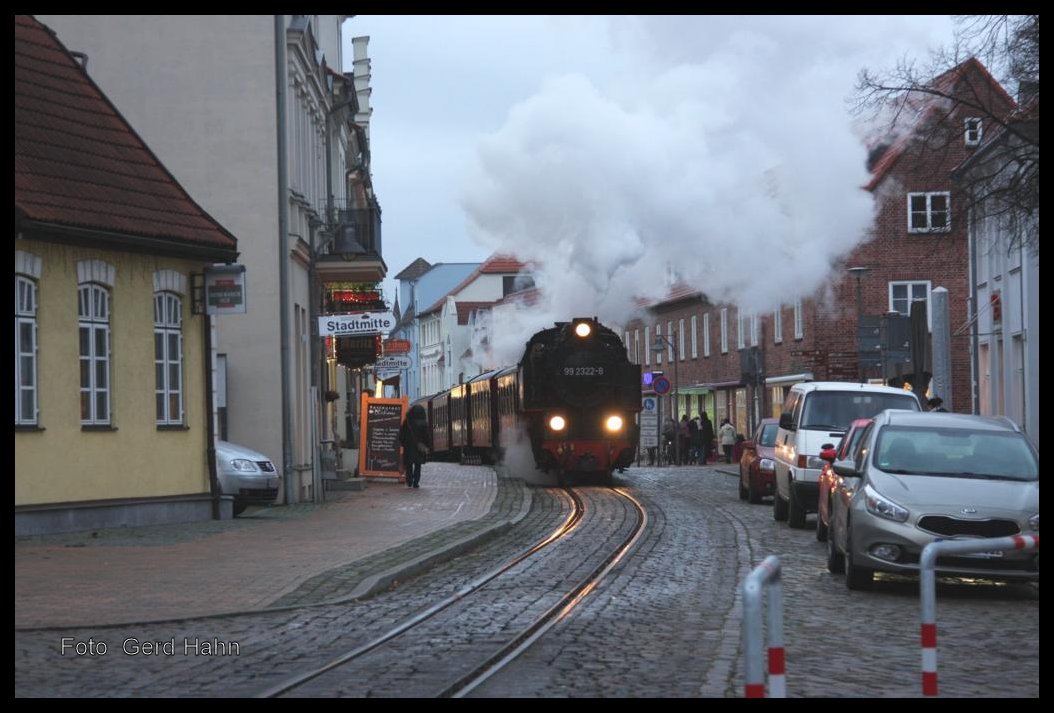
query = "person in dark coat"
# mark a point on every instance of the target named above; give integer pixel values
(706, 435)
(414, 439)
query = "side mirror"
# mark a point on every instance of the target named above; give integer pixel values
(787, 422)
(827, 452)
(846, 468)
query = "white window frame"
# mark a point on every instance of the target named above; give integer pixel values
(928, 228)
(658, 352)
(706, 335)
(799, 322)
(636, 346)
(910, 298)
(695, 338)
(669, 339)
(973, 130)
(680, 338)
(626, 344)
(26, 355)
(777, 325)
(741, 335)
(724, 330)
(94, 309)
(753, 329)
(168, 359)
(647, 346)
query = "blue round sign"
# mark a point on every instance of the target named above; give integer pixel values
(661, 385)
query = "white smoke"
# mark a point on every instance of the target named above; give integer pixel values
(725, 156)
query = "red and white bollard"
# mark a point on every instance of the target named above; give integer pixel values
(928, 590)
(765, 574)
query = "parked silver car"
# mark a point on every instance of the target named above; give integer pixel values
(247, 475)
(919, 477)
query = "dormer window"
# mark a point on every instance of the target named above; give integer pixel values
(972, 131)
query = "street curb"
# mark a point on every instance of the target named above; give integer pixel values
(379, 582)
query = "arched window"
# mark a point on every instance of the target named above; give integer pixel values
(93, 309)
(26, 406)
(168, 358)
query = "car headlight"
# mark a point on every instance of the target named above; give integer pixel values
(613, 423)
(243, 466)
(557, 423)
(767, 464)
(883, 507)
(815, 462)
(1033, 522)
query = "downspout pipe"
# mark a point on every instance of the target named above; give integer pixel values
(283, 251)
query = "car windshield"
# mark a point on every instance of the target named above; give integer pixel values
(836, 410)
(768, 434)
(956, 452)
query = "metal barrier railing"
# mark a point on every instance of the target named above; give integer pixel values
(928, 590)
(767, 573)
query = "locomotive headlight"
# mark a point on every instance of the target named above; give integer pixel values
(557, 423)
(613, 423)
(583, 329)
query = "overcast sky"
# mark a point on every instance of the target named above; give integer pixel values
(615, 148)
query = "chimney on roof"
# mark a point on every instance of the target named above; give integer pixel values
(82, 58)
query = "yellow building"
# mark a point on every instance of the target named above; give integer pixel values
(111, 405)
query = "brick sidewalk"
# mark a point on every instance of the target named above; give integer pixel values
(173, 571)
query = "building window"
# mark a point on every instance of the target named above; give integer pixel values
(626, 344)
(929, 212)
(680, 338)
(669, 339)
(695, 339)
(777, 326)
(168, 358)
(658, 343)
(94, 333)
(799, 323)
(706, 334)
(741, 333)
(972, 130)
(636, 346)
(724, 330)
(647, 347)
(903, 294)
(753, 329)
(25, 351)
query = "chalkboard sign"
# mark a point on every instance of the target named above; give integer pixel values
(379, 450)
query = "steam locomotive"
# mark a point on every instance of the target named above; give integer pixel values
(573, 394)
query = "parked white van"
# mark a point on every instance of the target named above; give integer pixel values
(815, 414)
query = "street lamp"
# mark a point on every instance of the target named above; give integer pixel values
(859, 272)
(660, 341)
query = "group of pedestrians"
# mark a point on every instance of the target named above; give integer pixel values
(692, 441)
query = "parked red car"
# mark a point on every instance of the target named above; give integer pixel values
(829, 479)
(757, 466)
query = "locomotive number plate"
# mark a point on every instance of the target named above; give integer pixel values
(583, 371)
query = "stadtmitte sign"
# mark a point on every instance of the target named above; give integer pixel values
(359, 323)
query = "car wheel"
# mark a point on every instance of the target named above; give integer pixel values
(779, 507)
(856, 577)
(795, 512)
(835, 559)
(821, 528)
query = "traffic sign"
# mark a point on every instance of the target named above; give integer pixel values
(661, 385)
(392, 363)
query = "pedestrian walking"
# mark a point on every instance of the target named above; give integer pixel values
(936, 404)
(706, 435)
(414, 439)
(727, 434)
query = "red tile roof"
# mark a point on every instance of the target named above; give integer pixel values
(501, 263)
(945, 83)
(679, 291)
(78, 163)
(465, 310)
